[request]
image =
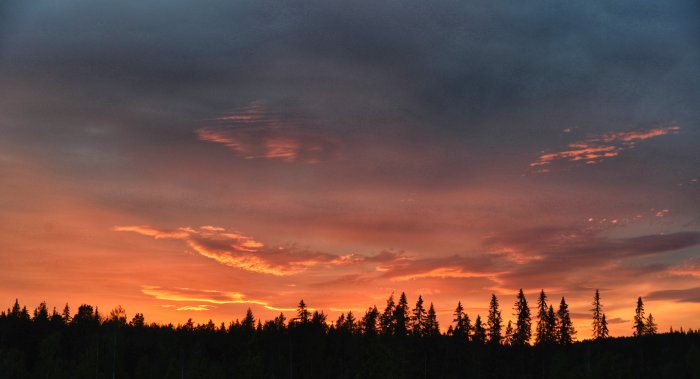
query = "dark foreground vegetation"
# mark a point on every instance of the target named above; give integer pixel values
(396, 343)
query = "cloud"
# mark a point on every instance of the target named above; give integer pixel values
(256, 133)
(597, 148)
(688, 295)
(204, 296)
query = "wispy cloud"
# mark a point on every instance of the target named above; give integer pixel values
(203, 296)
(688, 295)
(237, 250)
(255, 133)
(596, 149)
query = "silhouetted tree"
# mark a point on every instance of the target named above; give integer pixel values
(66, 315)
(432, 328)
(650, 326)
(597, 316)
(566, 328)
(118, 315)
(302, 313)
(401, 316)
(41, 314)
(604, 333)
(138, 320)
(387, 322)
(551, 331)
(318, 321)
(508, 340)
(523, 324)
(279, 322)
(639, 319)
(463, 325)
(479, 336)
(248, 322)
(368, 324)
(494, 321)
(418, 323)
(541, 335)
(350, 324)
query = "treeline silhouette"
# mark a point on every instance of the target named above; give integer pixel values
(398, 342)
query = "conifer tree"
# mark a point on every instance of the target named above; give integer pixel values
(639, 319)
(368, 324)
(566, 331)
(597, 316)
(248, 322)
(279, 322)
(418, 322)
(551, 331)
(494, 321)
(523, 324)
(401, 316)
(604, 333)
(350, 323)
(387, 321)
(66, 315)
(508, 340)
(650, 327)
(541, 331)
(432, 327)
(479, 331)
(138, 320)
(41, 313)
(463, 325)
(302, 313)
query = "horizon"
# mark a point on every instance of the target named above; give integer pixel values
(196, 159)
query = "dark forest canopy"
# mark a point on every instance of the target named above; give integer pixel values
(399, 341)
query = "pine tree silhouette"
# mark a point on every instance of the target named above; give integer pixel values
(650, 327)
(566, 328)
(639, 319)
(418, 322)
(523, 323)
(597, 316)
(541, 331)
(494, 321)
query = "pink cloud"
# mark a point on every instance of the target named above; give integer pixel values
(597, 148)
(256, 133)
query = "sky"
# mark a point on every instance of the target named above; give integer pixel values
(191, 159)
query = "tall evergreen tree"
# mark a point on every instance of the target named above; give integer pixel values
(418, 322)
(551, 330)
(350, 323)
(597, 316)
(566, 331)
(248, 322)
(523, 324)
(41, 313)
(302, 313)
(66, 315)
(463, 325)
(479, 331)
(650, 326)
(541, 331)
(639, 319)
(387, 321)
(604, 332)
(508, 340)
(494, 321)
(401, 316)
(368, 324)
(432, 327)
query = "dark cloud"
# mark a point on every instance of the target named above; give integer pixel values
(689, 295)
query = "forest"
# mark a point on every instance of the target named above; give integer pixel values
(399, 341)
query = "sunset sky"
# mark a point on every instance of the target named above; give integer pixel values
(191, 159)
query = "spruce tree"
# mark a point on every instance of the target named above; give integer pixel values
(66, 315)
(302, 313)
(387, 321)
(566, 328)
(368, 324)
(551, 330)
(523, 324)
(350, 323)
(604, 333)
(597, 316)
(401, 316)
(541, 331)
(639, 319)
(248, 322)
(418, 321)
(494, 321)
(479, 331)
(458, 320)
(508, 340)
(432, 327)
(650, 327)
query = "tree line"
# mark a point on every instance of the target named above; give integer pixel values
(398, 341)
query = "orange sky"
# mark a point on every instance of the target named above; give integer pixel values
(194, 161)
